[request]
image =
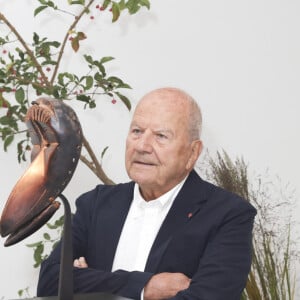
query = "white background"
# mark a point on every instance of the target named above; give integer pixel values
(239, 58)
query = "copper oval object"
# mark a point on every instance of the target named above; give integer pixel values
(56, 136)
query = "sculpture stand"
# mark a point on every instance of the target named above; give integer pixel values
(95, 296)
(65, 285)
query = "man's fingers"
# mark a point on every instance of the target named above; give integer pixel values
(76, 263)
(165, 285)
(80, 263)
(83, 262)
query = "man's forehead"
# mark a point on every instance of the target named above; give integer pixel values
(155, 126)
(169, 127)
(160, 108)
(163, 97)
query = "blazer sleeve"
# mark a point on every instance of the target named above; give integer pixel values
(224, 267)
(123, 283)
(88, 280)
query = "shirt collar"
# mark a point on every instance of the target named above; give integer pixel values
(162, 201)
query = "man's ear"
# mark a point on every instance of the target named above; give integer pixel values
(197, 147)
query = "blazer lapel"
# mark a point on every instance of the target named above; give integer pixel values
(187, 203)
(110, 223)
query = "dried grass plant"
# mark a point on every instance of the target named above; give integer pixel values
(272, 275)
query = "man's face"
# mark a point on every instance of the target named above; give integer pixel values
(158, 148)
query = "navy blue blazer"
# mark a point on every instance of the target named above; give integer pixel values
(207, 235)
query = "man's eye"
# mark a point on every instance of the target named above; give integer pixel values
(161, 136)
(136, 131)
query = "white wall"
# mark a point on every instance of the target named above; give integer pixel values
(239, 59)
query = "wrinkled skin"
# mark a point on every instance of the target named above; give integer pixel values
(56, 136)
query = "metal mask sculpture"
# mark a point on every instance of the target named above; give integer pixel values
(56, 136)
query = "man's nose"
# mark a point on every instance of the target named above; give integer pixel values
(144, 143)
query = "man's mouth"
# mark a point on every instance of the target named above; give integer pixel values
(144, 163)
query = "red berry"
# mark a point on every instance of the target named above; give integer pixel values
(4, 51)
(4, 104)
(102, 8)
(92, 17)
(97, 6)
(113, 101)
(48, 69)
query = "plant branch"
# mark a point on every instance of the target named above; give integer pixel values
(63, 45)
(28, 51)
(94, 165)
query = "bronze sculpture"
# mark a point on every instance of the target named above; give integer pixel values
(56, 136)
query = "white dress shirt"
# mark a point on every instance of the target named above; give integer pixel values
(140, 229)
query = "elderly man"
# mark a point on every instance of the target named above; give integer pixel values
(167, 234)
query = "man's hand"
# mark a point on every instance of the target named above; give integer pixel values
(165, 285)
(80, 263)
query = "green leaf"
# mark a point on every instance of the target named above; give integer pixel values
(75, 41)
(51, 4)
(22, 150)
(59, 222)
(101, 69)
(89, 59)
(133, 6)
(106, 59)
(39, 250)
(33, 245)
(117, 81)
(106, 3)
(145, 3)
(51, 226)
(39, 9)
(81, 36)
(43, 2)
(122, 4)
(104, 151)
(75, 44)
(92, 104)
(20, 95)
(46, 236)
(115, 12)
(37, 255)
(54, 244)
(124, 86)
(64, 75)
(7, 142)
(36, 38)
(80, 2)
(83, 98)
(98, 77)
(49, 62)
(89, 81)
(125, 100)
(55, 44)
